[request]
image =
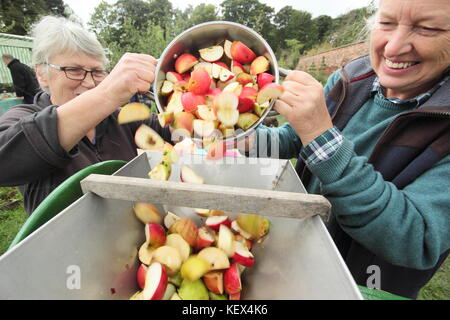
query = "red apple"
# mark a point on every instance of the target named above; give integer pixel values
(214, 281)
(242, 255)
(265, 78)
(244, 78)
(185, 62)
(173, 76)
(214, 222)
(205, 238)
(183, 120)
(259, 65)
(155, 282)
(235, 296)
(232, 279)
(237, 68)
(141, 273)
(247, 99)
(187, 229)
(191, 101)
(241, 53)
(199, 82)
(155, 234)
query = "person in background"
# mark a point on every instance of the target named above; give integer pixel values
(24, 79)
(376, 143)
(73, 123)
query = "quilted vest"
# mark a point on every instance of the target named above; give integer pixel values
(411, 144)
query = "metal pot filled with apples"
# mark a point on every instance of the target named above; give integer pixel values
(216, 79)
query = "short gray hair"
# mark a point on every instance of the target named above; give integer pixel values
(56, 35)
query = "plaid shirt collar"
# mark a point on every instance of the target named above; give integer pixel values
(377, 89)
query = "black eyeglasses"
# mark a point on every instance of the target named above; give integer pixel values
(77, 73)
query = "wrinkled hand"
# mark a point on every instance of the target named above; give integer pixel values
(133, 73)
(303, 105)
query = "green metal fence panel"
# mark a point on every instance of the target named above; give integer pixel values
(19, 47)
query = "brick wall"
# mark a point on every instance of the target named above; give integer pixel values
(333, 59)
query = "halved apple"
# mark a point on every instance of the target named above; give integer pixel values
(188, 175)
(268, 92)
(169, 258)
(242, 255)
(134, 111)
(173, 76)
(216, 257)
(187, 229)
(155, 234)
(147, 212)
(140, 276)
(211, 54)
(167, 88)
(155, 282)
(185, 62)
(165, 118)
(232, 279)
(259, 65)
(214, 222)
(160, 172)
(265, 78)
(145, 253)
(246, 120)
(226, 104)
(148, 139)
(199, 82)
(205, 238)
(241, 53)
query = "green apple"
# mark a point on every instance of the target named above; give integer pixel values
(253, 224)
(194, 268)
(193, 290)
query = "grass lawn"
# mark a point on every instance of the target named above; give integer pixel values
(12, 216)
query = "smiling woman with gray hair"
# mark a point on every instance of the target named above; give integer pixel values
(376, 143)
(73, 123)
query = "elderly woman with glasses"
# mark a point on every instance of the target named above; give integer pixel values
(73, 121)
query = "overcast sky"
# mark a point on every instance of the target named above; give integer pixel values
(333, 8)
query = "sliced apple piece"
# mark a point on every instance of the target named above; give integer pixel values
(265, 78)
(227, 48)
(173, 76)
(216, 257)
(214, 281)
(185, 62)
(176, 241)
(235, 226)
(165, 118)
(234, 87)
(244, 78)
(247, 243)
(205, 65)
(167, 88)
(211, 54)
(205, 238)
(199, 82)
(160, 172)
(241, 53)
(268, 92)
(148, 139)
(225, 75)
(147, 212)
(260, 108)
(193, 290)
(183, 120)
(187, 229)
(214, 222)
(169, 258)
(203, 128)
(191, 101)
(169, 219)
(155, 234)
(175, 104)
(237, 68)
(175, 296)
(253, 224)
(246, 120)
(136, 296)
(259, 65)
(242, 255)
(140, 276)
(247, 99)
(181, 86)
(226, 104)
(145, 253)
(226, 240)
(194, 268)
(206, 112)
(155, 282)
(188, 175)
(134, 111)
(232, 279)
(226, 131)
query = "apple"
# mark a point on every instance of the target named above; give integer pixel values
(148, 139)
(185, 62)
(225, 75)
(214, 281)
(234, 87)
(147, 212)
(183, 120)
(181, 85)
(175, 103)
(188, 175)
(169, 258)
(244, 78)
(265, 78)
(169, 219)
(146, 253)
(165, 118)
(187, 229)
(160, 172)
(191, 101)
(203, 128)
(226, 240)
(199, 82)
(141, 273)
(260, 108)
(169, 155)
(237, 68)
(205, 238)
(241, 53)
(209, 212)
(227, 48)
(226, 104)
(247, 99)
(170, 291)
(167, 88)
(173, 76)
(246, 120)
(235, 296)
(134, 111)
(268, 92)
(211, 54)
(215, 71)
(259, 65)
(254, 225)
(194, 268)
(155, 234)
(242, 255)
(205, 65)
(155, 282)
(235, 227)
(206, 112)
(247, 243)
(232, 279)
(216, 257)
(176, 241)
(193, 290)
(214, 222)
(175, 296)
